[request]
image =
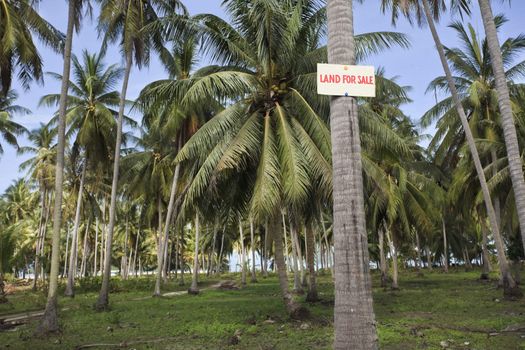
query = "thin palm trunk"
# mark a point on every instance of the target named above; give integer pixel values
(445, 246)
(286, 251)
(169, 219)
(70, 286)
(419, 263)
(85, 251)
(265, 253)
(103, 298)
(39, 237)
(296, 277)
(485, 252)
(50, 319)
(252, 242)
(507, 117)
(104, 234)
(382, 259)
(510, 287)
(68, 233)
(219, 267)
(354, 321)
(95, 250)
(124, 264)
(136, 252)
(393, 254)
(328, 250)
(194, 288)
(243, 254)
(312, 295)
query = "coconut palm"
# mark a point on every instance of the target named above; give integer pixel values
(431, 11)
(91, 120)
(9, 130)
(49, 321)
(476, 87)
(507, 118)
(270, 135)
(354, 323)
(125, 20)
(19, 23)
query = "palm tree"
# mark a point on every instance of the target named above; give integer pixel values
(126, 20)
(354, 316)
(49, 321)
(476, 87)
(92, 120)
(9, 130)
(507, 118)
(19, 21)
(41, 169)
(270, 135)
(409, 9)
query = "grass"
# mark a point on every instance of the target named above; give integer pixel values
(454, 308)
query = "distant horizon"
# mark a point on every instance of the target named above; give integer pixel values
(414, 67)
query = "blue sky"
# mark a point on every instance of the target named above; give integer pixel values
(415, 67)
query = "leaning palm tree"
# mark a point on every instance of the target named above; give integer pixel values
(430, 11)
(9, 130)
(125, 20)
(507, 118)
(49, 322)
(19, 21)
(353, 312)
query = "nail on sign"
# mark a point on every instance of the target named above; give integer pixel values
(346, 80)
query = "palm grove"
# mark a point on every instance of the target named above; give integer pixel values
(234, 151)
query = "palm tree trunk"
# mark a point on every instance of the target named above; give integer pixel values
(429, 258)
(67, 250)
(393, 253)
(194, 288)
(85, 250)
(296, 277)
(70, 286)
(328, 250)
(213, 253)
(507, 118)
(419, 263)
(294, 309)
(445, 246)
(103, 298)
(510, 287)
(286, 251)
(125, 253)
(95, 250)
(169, 219)
(39, 236)
(104, 234)
(136, 252)
(219, 265)
(49, 321)
(354, 319)
(312, 295)
(382, 259)
(243, 254)
(266, 238)
(252, 241)
(484, 251)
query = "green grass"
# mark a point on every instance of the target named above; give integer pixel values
(436, 307)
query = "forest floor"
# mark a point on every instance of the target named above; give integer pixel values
(432, 311)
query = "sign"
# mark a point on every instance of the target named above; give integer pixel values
(346, 80)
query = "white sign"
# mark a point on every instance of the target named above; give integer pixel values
(346, 80)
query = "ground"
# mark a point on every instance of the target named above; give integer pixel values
(433, 311)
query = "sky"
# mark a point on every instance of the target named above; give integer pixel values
(414, 67)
